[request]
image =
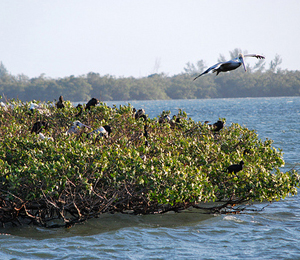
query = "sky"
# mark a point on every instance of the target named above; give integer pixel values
(125, 38)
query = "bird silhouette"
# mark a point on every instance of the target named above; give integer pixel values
(79, 106)
(60, 102)
(235, 167)
(164, 119)
(38, 126)
(93, 102)
(140, 114)
(218, 126)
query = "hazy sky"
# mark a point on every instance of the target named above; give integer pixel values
(138, 37)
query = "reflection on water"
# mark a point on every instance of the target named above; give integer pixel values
(269, 234)
(111, 222)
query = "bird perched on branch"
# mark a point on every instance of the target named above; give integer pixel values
(104, 131)
(42, 137)
(60, 102)
(106, 135)
(93, 102)
(230, 65)
(38, 126)
(164, 119)
(79, 106)
(39, 108)
(216, 127)
(76, 127)
(140, 114)
(235, 167)
(3, 105)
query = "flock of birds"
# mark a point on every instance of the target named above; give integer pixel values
(102, 131)
(105, 131)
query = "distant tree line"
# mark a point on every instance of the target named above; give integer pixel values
(256, 82)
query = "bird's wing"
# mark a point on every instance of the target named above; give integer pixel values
(255, 55)
(209, 69)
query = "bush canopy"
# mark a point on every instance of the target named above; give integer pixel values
(144, 166)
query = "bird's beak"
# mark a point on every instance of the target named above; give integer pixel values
(243, 63)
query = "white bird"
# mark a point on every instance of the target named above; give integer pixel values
(101, 131)
(39, 108)
(42, 137)
(230, 65)
(34, 106)
(3, 105)
(76, 127)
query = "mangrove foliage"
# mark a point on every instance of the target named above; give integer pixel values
(144, 166)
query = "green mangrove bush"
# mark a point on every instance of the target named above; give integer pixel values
(143, 167)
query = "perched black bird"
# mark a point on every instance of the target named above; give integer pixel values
(38, 126)
(217, 126)
(176, 121)
(235, 167)
(60, 102)
(164, 119)
(80, 110)
(93, 102)
(140, 114)
(108, 129)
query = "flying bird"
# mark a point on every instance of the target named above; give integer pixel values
(230, 65)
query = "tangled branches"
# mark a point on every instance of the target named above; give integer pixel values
(144, 166)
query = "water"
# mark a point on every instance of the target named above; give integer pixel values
(272, 233)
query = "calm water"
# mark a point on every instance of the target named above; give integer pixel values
(273, 233)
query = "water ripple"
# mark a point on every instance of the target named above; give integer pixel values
(269, 234)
